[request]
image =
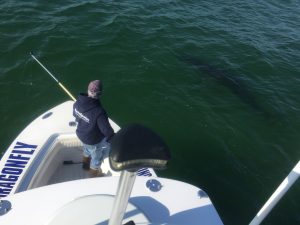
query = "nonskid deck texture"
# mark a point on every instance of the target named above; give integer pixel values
(68, 172)
(72, 168)
(62, 162)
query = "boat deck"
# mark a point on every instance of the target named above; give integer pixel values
(68, 172)
(67, 164)
(62, 162)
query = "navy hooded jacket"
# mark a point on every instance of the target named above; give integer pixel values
(93, 124)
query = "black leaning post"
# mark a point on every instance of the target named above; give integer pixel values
(132, 148)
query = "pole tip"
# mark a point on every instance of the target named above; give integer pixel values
(31, 53)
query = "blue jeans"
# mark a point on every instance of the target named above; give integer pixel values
(97, 153)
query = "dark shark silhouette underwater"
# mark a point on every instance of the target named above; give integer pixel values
(231, 82)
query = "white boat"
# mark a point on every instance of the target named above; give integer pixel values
(42, 182)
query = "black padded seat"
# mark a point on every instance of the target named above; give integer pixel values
(135, 147)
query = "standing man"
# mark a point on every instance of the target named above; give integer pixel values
(93, 128)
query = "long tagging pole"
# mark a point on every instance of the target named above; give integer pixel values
(277, 195)
(60, 84)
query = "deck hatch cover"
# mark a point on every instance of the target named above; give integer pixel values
(153, 185)
(5, 206)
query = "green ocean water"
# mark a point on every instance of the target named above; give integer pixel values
(218, 80)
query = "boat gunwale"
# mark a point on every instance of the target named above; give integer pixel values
(48, 146)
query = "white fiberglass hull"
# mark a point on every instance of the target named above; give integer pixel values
(37, 188)
(175, 203)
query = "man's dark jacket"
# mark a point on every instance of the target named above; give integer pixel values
(92, 120)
